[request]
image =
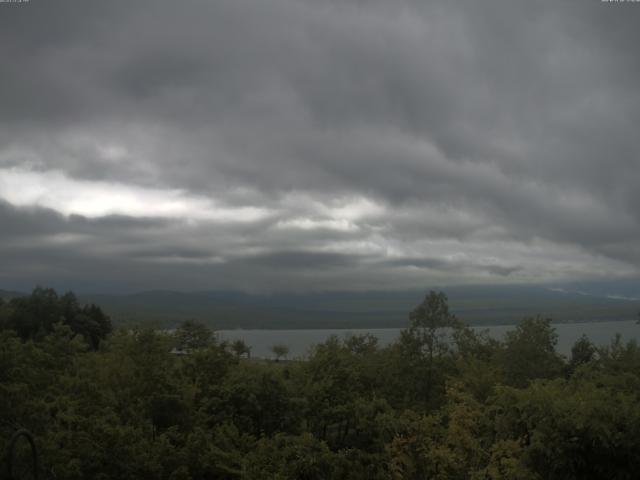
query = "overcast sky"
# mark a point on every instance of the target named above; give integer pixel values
(318, 144)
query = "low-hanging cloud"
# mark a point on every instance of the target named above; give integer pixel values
(302, 144)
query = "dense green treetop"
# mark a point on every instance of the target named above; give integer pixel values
(443, 402)
(35, 315)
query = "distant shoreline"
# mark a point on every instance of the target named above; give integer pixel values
(471, 325)
(300, 340)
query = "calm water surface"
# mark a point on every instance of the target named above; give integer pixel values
(300, 341)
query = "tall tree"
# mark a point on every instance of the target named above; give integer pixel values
(34, 316)
(530, 352)
(193, 335)
(280, 351)
(426, 340)
(427, 324)
(240, 348)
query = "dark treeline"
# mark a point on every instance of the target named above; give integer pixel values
(35, 316)
(443, 402)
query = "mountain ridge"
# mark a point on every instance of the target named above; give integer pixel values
(476, 305)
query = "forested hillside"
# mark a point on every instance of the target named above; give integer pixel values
(441, 403)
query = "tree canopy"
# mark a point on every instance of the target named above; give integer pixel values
(35, 316)
(442, 402)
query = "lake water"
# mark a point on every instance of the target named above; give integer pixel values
(300, 341)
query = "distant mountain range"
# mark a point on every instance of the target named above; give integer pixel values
(477, 305)
(9, 294)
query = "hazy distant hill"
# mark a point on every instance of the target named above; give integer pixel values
(476, 304)
(9, 294)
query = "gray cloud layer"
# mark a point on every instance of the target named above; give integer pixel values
(305, 144)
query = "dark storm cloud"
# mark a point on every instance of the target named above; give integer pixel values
(370, 142)
(28, 221)
(34, 221)
(302, 260)
(435, 263)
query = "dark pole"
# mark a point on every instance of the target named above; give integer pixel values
(10, 452)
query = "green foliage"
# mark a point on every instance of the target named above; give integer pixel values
(280, 351)
(240, 348)
(529, 352)
(443, 402)
(425, 348)
(258, 399)
(572, 428)
(286, 457)
(582, 352)
(427, 322)
(34, 316)
(192, 335)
